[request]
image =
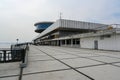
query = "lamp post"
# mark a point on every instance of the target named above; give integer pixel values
(17, 40)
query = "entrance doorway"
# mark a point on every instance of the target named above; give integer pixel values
(96, 44)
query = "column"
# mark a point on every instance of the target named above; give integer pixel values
(71, 42)
(65, 42)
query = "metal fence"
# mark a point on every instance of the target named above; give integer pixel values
(8, 55)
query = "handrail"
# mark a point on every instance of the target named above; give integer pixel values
(25, 61)
(15, 53)
(11, 55)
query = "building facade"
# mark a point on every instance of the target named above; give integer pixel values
(80, 34)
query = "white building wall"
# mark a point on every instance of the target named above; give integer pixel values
(88, 42)
(62, 23)
(81, 25)
(112, 43)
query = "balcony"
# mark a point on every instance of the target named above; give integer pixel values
(41, 26)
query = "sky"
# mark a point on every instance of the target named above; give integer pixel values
(17, 17)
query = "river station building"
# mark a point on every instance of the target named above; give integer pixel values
(71, 33)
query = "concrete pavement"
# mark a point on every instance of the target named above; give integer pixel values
(62, 63)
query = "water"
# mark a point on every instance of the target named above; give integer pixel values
(5, 45)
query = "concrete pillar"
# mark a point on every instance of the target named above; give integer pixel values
(65, 42)
(71, 42)
(75, 42)
(54, 43)
(60, 42)
(49, 43)
(57, 42)
(80, 43)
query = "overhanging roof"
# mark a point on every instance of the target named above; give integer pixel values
(72, 24)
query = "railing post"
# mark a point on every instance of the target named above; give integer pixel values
(14, 54)
(23, 55)
(0, 56)
(4, 57)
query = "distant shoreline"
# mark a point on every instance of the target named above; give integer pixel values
(5, 45)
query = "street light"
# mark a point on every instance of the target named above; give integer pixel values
(17, 40)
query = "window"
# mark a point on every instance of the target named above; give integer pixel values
(63, 41)
(68, 41)
(77, 41)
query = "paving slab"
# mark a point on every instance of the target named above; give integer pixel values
(64, 56)
(55, 53)
(104, 72)
(88, 55)
(58, 75)
(40, 66)
(106, 59)
(9, 69)
(36, 54)
(52, 51)
(10, 78)
(80, 62)
(55, 70)
(40, 57)
(113, 55)
(108, 54)
(118, 64)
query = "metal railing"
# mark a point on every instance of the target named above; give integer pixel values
(8, 55)
(14, 54)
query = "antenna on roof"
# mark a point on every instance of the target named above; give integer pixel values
(60, 15)
(60, 19)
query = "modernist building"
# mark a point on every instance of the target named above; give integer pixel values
(41, 26)
(80, 34)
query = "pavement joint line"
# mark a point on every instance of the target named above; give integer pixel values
(69, 58)
(68, 65)
(54, 59)
(90, 66)
(43, 60)
(88, 57)
(20, 76)
(96, 54)
(47, 71)
(111, 57)
(114, 62)
(110, 63)
(115, 65)
(72, 51)
(82, 56)
(95, 60)
(9, 76)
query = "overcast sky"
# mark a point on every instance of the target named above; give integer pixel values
(17, 17)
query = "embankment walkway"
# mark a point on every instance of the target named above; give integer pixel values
(61, 63)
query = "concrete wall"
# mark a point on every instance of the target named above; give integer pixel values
(88, 42)
(112, 43)
(74, 46)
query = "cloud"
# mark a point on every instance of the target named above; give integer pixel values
(17, 17)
